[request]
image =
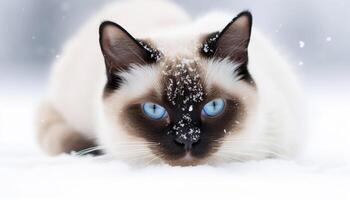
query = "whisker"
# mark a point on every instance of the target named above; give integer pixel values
(140, 143)
(248, 139)
(229, 157)
(88, 150)
(150, 162)
(251, 153)
(137, 158)
(259, 142)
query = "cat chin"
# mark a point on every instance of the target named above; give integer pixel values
(187, 160)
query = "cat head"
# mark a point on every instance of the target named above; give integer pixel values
(181, 108)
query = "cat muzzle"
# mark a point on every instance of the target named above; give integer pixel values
(188, 137)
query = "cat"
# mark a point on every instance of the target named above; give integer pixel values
(185, 92)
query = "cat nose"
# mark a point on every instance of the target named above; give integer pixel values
(187, 143)
(187, 139)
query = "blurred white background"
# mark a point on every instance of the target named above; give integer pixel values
(312, 34)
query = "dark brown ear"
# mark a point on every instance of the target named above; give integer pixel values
(232, 42)
(120, 50)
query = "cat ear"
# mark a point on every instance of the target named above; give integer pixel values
(232, 42)
(120, 50)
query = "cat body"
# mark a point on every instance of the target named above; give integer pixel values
(178, 64)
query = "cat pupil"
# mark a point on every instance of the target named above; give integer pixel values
(154, 108)
(214, 105)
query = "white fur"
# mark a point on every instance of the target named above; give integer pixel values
(78, 78)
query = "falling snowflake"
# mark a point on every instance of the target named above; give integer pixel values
(328, 39)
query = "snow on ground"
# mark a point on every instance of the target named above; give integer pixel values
(323, 172)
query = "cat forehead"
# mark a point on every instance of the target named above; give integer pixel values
(170, 78)
(182, 81)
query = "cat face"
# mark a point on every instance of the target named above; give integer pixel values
(184, 108)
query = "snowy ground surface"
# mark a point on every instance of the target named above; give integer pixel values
(323, 172)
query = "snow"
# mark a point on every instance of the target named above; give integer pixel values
(183, 89)
(207, 47)
(301, 44)
(322, 172)
(155, 54)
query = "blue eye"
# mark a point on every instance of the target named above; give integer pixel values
(213, 108)
(154, 111)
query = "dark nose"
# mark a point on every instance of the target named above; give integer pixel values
(187, 140)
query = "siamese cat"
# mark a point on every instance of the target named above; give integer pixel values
(151, 85)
